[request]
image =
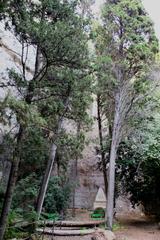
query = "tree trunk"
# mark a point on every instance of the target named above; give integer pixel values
(8, 198)
(74, 178)
(48, 170)
(99, 119)
(111, 171)
(10, 187)
(105, 177)
(44, 185)
(111, 187)
(74, 174)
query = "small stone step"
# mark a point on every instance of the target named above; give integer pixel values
(70, 232)
(91, 223)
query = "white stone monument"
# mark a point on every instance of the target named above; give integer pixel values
(100, 200)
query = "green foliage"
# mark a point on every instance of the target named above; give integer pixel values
(25, 193)
(62, 85)
(126, 47)
(58, 32)
(139, 167)
(50, 216)
(54, 25)
(34, 152)
(57, 196)
(55, 87)
(12, 231)
(25, 113)
(70, 146)
(56, 200)
(117, 226)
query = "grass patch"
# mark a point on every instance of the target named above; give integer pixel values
(117, 226)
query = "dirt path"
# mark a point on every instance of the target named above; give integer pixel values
(137, 228)
(133, 227)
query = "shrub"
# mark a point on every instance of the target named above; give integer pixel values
(57, 196)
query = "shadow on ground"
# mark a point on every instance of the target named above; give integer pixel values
(137, 227)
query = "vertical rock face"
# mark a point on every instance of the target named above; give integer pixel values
(89, 179)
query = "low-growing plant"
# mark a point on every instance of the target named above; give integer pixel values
(12, 231)
(57, 196)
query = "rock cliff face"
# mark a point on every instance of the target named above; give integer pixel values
(88, 178)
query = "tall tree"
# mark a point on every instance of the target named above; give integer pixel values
(126, 45)
(44, 92)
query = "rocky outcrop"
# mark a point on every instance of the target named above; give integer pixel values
(103, 235)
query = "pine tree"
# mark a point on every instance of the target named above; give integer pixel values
(126, 46)
(55, 31)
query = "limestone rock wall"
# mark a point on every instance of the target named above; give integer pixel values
(88, 178)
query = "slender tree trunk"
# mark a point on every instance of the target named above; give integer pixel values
(111, 187)
(48, 170)
(105, 176)
(74, 188)
(51, 160)
(44, 185)
(99, 119)
(45, 181)
(10, 187)
(74, 177)
(111, 171)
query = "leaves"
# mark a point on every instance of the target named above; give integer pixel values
(57, 197)
(139, 166)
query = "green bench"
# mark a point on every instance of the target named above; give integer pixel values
(98, 213)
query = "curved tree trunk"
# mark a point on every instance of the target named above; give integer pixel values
(51, 160)
(45, 181)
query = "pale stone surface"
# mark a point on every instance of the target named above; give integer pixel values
(89, 179)
(100, 201)
(103, 235)
(109, 235)
(66, 232)
(124, 206)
